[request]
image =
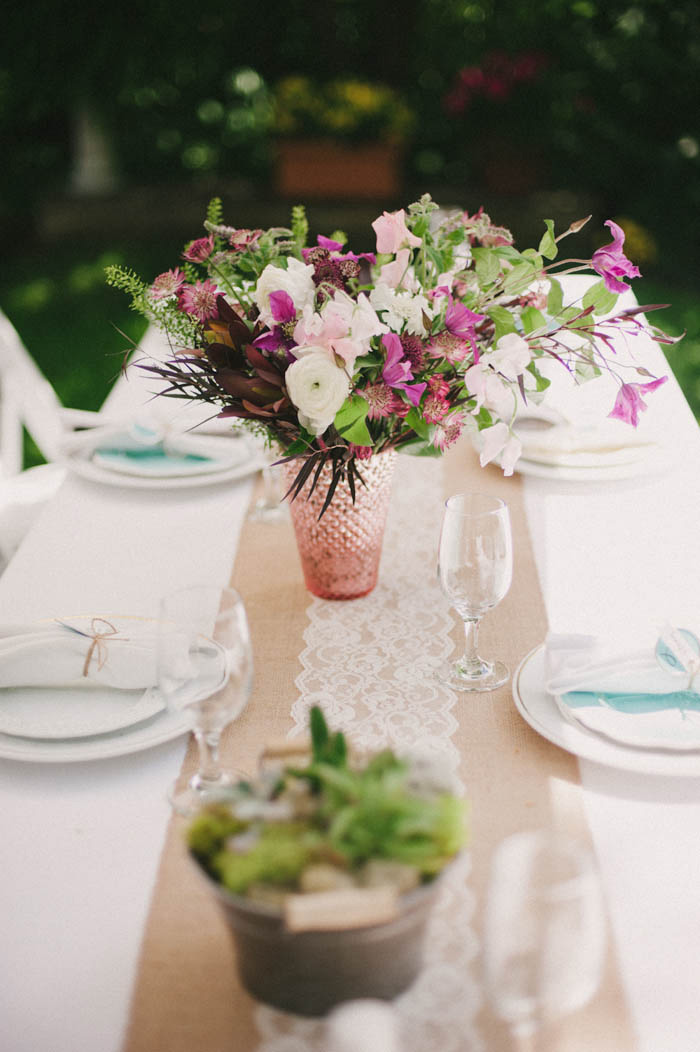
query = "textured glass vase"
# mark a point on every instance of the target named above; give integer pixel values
(340, 552)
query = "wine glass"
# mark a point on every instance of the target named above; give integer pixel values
(205, 668)
(544, 931)
(270, 506)
(475, 567)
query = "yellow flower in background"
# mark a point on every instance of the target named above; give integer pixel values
(639, 242)
(344, 108)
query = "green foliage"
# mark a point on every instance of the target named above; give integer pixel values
(300, 226)
(215, 212)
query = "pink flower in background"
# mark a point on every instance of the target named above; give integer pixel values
(629, 402)
(167, 284)
(393, 234)
(199, 300)
(200, 250)
(240, 239)
(612, 264)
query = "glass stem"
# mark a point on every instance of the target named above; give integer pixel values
(209, 768)
(471, 660)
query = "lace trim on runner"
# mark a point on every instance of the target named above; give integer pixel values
(371, 665)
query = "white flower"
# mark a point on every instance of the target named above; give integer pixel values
(511, 356)
(500, 440)
(401, 309)
(296, 281)
(490, 390)
(317, 387)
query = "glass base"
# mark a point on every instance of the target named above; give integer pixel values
(487, 675)
(198, 794)
(262, 512)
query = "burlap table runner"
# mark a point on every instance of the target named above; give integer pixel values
(186, 995)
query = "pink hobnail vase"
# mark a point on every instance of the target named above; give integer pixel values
(340, 552)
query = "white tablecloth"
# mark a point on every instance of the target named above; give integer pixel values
(79, 843)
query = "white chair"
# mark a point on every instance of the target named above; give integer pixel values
(27, 400)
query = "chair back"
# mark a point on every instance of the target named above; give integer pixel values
(27, 400)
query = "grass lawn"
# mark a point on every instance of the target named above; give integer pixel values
(78, 329)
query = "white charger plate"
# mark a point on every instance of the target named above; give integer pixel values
(164, 727)
(540, 710)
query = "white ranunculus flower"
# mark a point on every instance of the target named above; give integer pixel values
(317, 387)
(297, 281)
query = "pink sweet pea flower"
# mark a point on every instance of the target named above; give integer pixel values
(498, 440)
(393, 234)
(629, 402)
(397, 371)
(612, 264)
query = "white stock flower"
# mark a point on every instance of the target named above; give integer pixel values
(296, 281)
(317, 387)
(401, 309)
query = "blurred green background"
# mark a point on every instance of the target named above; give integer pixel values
(119, 123)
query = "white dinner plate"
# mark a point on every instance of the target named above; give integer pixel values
(57, 713)
(540, 710)
(81, 462)
(161, 728)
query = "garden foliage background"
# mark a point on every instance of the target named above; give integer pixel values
(547, 108)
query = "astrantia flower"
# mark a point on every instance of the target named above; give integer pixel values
(199, 300)
(414, 351)
(167, 284)
(447, 431)
(480, 228)
(612, 264)
(297, 279)
(318, 388)
(382, 400)
(629, 402)
(452, 348)
(200, 250)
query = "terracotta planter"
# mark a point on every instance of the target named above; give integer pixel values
(310, 972)
(323, 168)
(340, 552)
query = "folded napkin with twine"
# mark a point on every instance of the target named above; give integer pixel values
(87, 651)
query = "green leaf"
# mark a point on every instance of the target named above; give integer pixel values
(503, 320)
(534, 257)
(548, 246)
(350, 421)
(542, 381)
(415, 421)
(533, 319)
(555, 299)
(518, 279)
(600, 298)
(488, 265)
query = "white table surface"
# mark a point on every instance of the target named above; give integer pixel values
(80, 843)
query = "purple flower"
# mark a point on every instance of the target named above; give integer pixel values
(629, 402)
(612, 264)
(285, 316)
(397, 372)
(460, 321)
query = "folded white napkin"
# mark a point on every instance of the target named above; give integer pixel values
(589, 663)
(110, 652)
(607, 442)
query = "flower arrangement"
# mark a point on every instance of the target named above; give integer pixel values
(345, 109)
(336, 356)
(335, 822)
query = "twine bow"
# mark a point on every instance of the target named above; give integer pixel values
(98, 642)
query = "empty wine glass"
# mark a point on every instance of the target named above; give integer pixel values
(544, 931)
(205, 667)
(270, 505)
(475, 567)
